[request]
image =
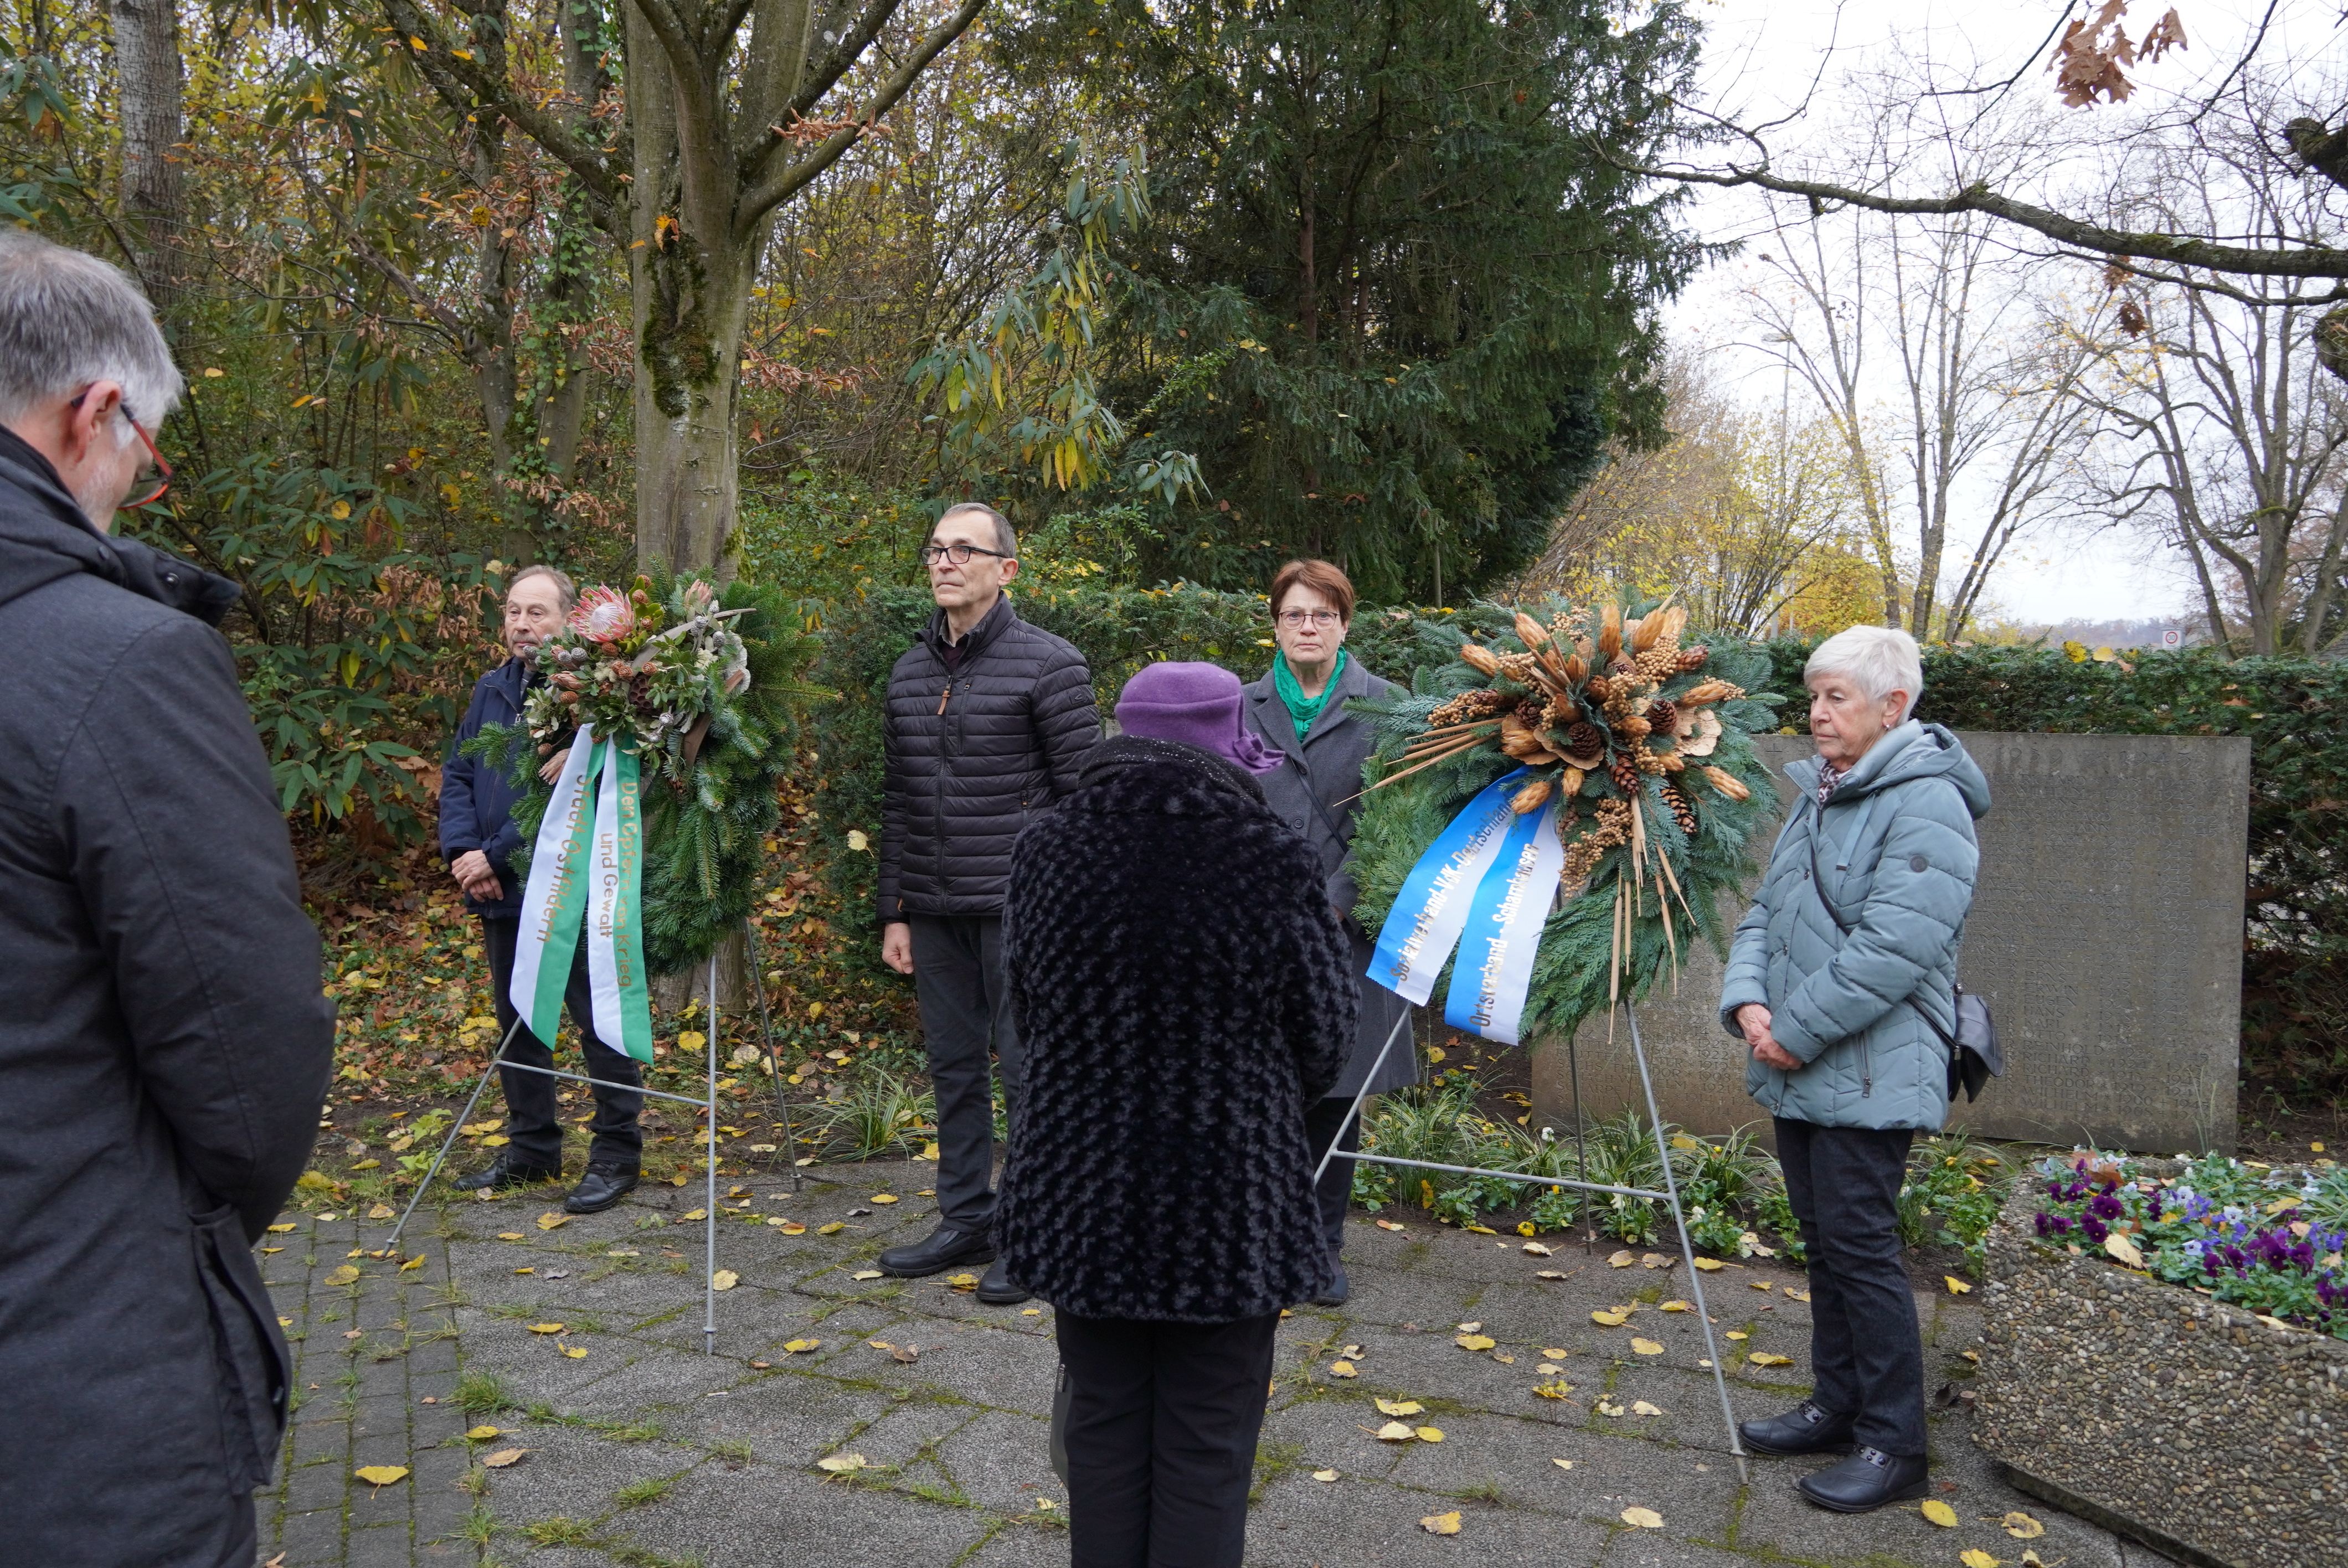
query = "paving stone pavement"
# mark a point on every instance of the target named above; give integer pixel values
(640, 1452)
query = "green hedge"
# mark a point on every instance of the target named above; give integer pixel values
(2294, 712)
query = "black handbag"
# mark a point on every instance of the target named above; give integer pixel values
(1974, 1055)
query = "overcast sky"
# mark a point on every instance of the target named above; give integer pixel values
(1761, 58)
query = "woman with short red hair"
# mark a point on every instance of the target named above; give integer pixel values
(1299, 706)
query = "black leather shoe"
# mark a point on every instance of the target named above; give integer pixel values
(1341, 1289)
(999, 1289)
(1803, 1430)
(946, 1247)
(600, 1188)
(1865, 1481)
(505, 1173)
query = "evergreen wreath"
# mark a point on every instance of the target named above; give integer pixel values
(705, 814)
(1646, 746)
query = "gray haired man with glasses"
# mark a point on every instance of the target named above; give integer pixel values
(988, 719)
(164, 1045)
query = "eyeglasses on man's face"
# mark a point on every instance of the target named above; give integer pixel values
(162, 479)
(958, 554)
(1296, 617)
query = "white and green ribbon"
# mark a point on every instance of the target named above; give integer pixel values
(586, 878)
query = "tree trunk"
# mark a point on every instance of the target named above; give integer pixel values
(149, 87)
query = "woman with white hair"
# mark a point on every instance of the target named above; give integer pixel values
(1842, 981)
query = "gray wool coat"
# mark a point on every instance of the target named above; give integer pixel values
(1327, 768)
(1863, 1003)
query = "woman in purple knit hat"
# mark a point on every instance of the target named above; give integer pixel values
(1184, 992)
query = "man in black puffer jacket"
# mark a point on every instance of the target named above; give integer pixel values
(164, 1045)
(988, 721)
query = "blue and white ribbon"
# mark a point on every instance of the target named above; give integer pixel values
(1489, 876)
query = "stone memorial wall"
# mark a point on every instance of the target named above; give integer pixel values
(2105, 936)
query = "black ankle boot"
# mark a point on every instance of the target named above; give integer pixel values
(505, 1171)
(602, 1187)
(942, 1250)
(1865, 1481)
(1803, 1430)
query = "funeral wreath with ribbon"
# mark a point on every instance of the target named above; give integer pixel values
(1563, 799)
(674, 703)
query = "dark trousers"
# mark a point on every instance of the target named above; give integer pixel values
(1332, 1116)
(1866, 1355)
(533, 1136)
(965, 1000)
(1162, 1424)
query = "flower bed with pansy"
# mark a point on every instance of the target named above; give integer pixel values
(2163, 1353)
(2243, 1234)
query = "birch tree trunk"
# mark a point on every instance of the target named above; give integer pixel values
(148, 90)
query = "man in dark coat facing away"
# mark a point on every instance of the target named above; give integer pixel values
(988, 721)
(164, 1046)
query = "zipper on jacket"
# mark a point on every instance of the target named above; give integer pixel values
(1865, 1069)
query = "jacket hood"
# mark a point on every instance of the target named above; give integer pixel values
(1913, 750)
(44, 537)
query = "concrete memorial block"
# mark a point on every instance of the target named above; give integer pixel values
(2105, 936)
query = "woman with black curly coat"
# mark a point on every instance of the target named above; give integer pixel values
(1185, 992)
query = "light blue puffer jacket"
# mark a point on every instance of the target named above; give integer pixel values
(1895, 851)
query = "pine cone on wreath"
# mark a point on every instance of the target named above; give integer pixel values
(1624, 773)
(1583, 739)
(1662, 718)
(1529, 714)
(1693, 658)
(1681, 812)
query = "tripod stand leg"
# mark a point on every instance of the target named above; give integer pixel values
(1580, 1140)
(709, 1198)
(1687, 1251)
(774, 1068)
(455, 1128)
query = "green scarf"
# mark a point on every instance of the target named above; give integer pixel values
(1303, 710)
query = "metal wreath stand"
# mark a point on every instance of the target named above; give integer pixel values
(1670, 1194)
(707, 1104)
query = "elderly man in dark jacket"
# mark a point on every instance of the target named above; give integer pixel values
(988, 720)
(164, 1046)
(1299, 706)
(1187, 992)
(477, 838)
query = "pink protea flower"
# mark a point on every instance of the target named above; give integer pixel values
(603, 615)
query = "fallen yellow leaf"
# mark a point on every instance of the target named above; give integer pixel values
(1430, 1434)
(1710, 1265)
(552, 1220)
(789, 1227)
(546, 1328)
(1975, 1557)
(1441, 1523)
(1763, 1358)
(1548, 1274)
(1956, 1286)
(1557, 1355)
(1537, 1249)
(1342, 1370)
(509, 1235)
(1324, 1475)
(1641, 1408)
(834, 1228)
(1548, 1368)
(884, 1197)
(1480, 1230)
(1475, 1341)
(1643, 1518)
(1604, 1408)
(1398, 1407)
(693, 1214)
(1395, 1432)
(1676, 1306)
(1623, 1259)
(483, 1434)
(381, 1211)
(416, 1262)
(343, 1276)
(1646, 1347)
(1388, 1225)
(725, 1279)
(381, 1474)
(1798, 1295)
(840, 1463)
(1763, 1286)
(504, 1457)
(576, 1352)
(963, 1281)
(801, 1346)
(1562, 1463)
(1941, 1514)
(1554, 1390)
(866, 1273)
(1610, 1319)
(279, 1230)
(2124, 1250)
(1737, 1334)
(2022, 1527)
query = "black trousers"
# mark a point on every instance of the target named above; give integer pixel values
(1332, 1116)
(1162, 1425)
(532, 1134)
(965, 1000)
(1866, 1354)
